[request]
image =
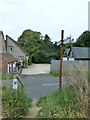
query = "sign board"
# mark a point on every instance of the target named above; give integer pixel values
(15, 84)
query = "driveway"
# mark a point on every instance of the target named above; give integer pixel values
(36, 69)
(37, 86)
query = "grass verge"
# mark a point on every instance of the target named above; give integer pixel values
(7, 76)
(71, 101)
(62, 104)
(57, 74)
(15, 103)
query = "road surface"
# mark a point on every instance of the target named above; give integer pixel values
(35, 69)
(37, 86)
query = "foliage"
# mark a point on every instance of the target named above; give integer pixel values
(55, 74)
(30, 60)
(46, 39)
(40, 57)
(71, 101)
(38, 46)
(15, 103)
(7, 76)
(25, 64)
(61, 104)
(83, 40)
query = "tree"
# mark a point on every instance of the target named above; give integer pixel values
(83, 40)
(46, 39)
(68, 42)
(39, 48)
(30, 41)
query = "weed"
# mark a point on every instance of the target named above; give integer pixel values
(15, 103)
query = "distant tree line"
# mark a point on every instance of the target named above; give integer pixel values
(42, 50)
(82, 41)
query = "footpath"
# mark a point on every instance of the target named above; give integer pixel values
(33, 111)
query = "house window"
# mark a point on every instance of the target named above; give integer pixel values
(10, 49)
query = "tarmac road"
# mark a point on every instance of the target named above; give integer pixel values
(40, 85)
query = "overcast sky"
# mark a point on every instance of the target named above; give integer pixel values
(46, 16)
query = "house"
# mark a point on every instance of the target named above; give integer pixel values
(11, 55)
(78, 53)
(65, 55)
(7, 61)
(16, 50)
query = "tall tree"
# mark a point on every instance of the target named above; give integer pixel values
(83, 40)
(39, 48)
(46, 38)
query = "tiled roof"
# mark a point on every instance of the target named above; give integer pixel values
(81, 52)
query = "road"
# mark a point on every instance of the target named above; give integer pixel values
(37, 86)
(37, 81)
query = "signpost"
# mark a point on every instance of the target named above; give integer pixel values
(15, 83)
(61, 59)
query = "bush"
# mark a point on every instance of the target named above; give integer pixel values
(15, 103)
(40, 57)
(25, 64)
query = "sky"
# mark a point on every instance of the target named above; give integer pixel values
(45, 16)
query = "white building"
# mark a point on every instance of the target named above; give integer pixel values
(89, 15)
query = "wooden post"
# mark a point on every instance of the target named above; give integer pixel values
(61, 59)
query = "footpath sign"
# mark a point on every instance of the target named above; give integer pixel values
(15, 84)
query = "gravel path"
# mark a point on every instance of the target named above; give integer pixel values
(36, 69)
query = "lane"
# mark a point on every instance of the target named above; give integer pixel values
(37, 86)
(35, 69)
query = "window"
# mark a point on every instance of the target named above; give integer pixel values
(10, 49)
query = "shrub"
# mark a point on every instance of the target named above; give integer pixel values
(40, 57)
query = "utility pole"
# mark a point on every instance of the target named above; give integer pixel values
(61, 58)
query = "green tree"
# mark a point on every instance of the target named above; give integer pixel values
(83, 40)
(40, 48)
(30, 41)
(46, 39)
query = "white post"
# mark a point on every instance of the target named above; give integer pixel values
(15, 83)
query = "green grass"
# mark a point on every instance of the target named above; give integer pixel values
(55, 74)
(62, 104)
(15, 103)
(7, 76)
